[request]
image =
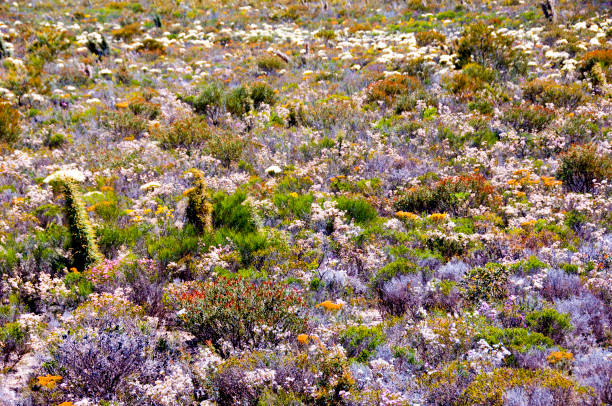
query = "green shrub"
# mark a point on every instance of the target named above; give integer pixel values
(529, 118)
(199, 209)
(13, 341)
(327, 35)
(125, 124)
(210, 99)
(9, 124)
(517, 340)
(174, 245)
(452, 195)
(237, 101)
(225, 146)
(431, 37)
(580, 129)
(357, 209)
(270, 63)
(238, 311)
(479, 44)
(544, 91)
(292, 205)
(233, 213)
(262, 93)
(391, 270)
(185, 132)
(486, 283)
(360, 342)
(581, 166)
(550, 323)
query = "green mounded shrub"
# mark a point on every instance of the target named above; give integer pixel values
(262, 93)
(236, 310)
(391, 270)
(357, 209)
(529, 118)
(453, 195)
(270, 63)
(479, 44)
(517, 339)
(581, 166)
(486, 283)
(185, 132)
(550, 323)
(292, 205)
(13, 341)
(174, 245)
(83, 245)
(231, 212)
(210, 99)
(238, 101)
(199, 209)
(360, 342)
(545, 91)
(9, 124)
(225, 146)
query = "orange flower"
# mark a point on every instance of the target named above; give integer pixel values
(328, 305)
(302, 338)
(49, 381)
(66, 404)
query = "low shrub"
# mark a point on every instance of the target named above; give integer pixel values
(237, 101)
(231, 212)
(529, 118)
(479, 44)
(453, 195)
(430, 37)
(550, 323)
(389, 89)
(185, 132)
(581, 166)
(262, 93)
(238, 312)
(357, 209)
(517, 339)
(490, 388)
(360, 342)
(270, 63)
(545, 91)
(9, 124)
(486, 283)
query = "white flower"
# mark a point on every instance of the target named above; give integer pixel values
(273, 170)
(73, 174)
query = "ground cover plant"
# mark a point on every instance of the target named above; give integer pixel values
(231, 202)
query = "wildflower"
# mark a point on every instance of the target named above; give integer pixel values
(66, 404)
(49, 381)
(557, 357)
(437, 216)
(406, 215)
(302, 338)
(329, 305)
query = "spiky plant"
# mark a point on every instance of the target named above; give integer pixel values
(199, 208)
(85, 251)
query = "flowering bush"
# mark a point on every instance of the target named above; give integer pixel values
(236, 313)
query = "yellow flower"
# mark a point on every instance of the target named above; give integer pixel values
(302, 338)
(559, 356)
(329, 305)
(66, 404)
(294, 195)
(122, 105)
(437, 216)
(406, 215)
(49, 381)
